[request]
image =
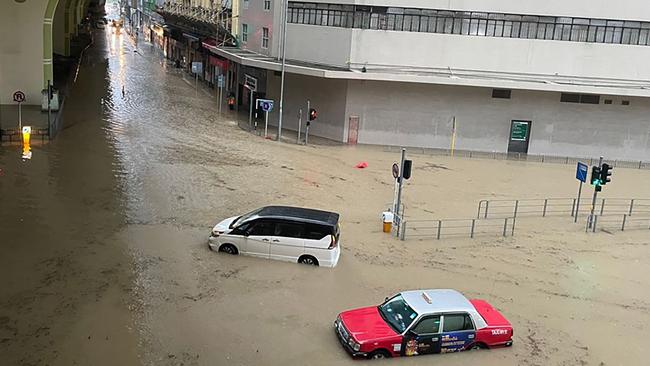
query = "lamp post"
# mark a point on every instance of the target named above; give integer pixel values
(284, 55)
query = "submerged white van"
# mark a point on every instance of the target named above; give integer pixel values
(292, 234)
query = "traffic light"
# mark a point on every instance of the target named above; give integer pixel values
(407, 169)
(312, 114)
(605, 173)
(595, 176)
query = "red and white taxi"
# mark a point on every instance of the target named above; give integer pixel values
(422, 322)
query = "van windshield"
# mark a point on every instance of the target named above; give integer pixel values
(243, 218)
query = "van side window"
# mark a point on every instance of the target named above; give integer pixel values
(316, 232)
(263, 228)
(288, 230)
(457, 323)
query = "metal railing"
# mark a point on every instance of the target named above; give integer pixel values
(618, 222)
(551, 159)
(467, 228)
(560, 207)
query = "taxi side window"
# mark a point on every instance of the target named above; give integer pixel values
(428, 325)
(457, 323)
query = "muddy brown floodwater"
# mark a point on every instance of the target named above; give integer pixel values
(104, 257)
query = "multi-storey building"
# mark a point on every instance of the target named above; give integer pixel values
(539, 77)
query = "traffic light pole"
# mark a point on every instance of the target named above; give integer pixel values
(308, 123)
(593, 201)
(400, 182)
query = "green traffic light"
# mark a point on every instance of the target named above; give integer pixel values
(596, 182)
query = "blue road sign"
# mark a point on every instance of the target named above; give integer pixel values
(581, 172)
(266, 104)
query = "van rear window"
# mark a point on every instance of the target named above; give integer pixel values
(316, 232)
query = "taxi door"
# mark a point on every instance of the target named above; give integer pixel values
(422, 338)
(457, 332)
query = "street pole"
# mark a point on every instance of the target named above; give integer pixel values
(400, 182)
(593, 201)
(266, 124)
(299, 125)
(250, 115)
(308, 123)
(49, 110)
(20, 117)
(284, 56)
(575, 216)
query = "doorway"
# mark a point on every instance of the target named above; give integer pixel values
(353, 130)
(519, 136)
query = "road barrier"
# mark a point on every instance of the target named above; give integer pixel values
(560, 207)
(550, 159)
(467, 228)
(618, 222)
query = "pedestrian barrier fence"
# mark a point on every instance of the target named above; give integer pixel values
(468, 228)
(631, 164)
(561, 207)
(619, 222)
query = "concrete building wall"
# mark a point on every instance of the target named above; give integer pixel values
(21, 49)
(327, 96)
(421, 115)
(321, 45)
(499, 54)
(252, 13)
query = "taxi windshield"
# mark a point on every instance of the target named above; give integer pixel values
(397, 313)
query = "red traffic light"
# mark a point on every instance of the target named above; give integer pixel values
(312, 114)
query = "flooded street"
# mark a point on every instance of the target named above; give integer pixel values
(105, 258)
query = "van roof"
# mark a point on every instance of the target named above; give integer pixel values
(300, 214)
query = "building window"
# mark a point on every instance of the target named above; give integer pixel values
(580, 98)
(265, 38)
(625, 102)
(246, 4)
(608, 101)
(501, 93)
(470, 23)
(267, 5)
(244, 33)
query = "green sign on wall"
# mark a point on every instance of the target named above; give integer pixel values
(519, 131)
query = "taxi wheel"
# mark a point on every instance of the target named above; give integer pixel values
(478, 345)
(379, 354)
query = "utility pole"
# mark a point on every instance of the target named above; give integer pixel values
(400, 182)
(284, 56)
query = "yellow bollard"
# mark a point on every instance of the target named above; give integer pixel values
(27, 151)
(387, 218)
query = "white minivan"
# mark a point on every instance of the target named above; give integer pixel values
(292, 234)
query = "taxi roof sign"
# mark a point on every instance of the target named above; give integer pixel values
(427, 298)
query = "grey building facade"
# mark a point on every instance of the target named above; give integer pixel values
(568, 79)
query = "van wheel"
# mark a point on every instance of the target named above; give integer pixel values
(228, 249)
(308, 259)
(378, 354)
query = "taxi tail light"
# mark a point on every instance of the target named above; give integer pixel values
(333, 242)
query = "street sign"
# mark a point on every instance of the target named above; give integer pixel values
(265, 104)
(220, 81)
(581, 172)
(250, 82)
(19, 97)
(395, 170)
(197, 67)
(519, 131)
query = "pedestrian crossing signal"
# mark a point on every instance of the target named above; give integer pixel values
(605, 173)
(312, 114)
(595, 176)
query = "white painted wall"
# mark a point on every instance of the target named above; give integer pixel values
(421, 115)
(21, 49)
(321, 45)
(257, 18)
(500, 54)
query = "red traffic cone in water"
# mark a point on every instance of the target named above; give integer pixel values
(361, 165)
